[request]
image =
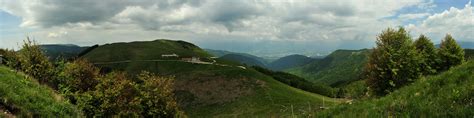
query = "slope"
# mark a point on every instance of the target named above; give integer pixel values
(289, 61)
(449, 94)
(338, 68)
(220, 89)
(25, 97)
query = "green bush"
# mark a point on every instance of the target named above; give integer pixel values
(355, 90)
(117, 95)
(34, 63)
(157, 97)
(80, 76)
(114, 95)
(10, 59)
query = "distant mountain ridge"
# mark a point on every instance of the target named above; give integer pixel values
(290, 61)
(463, 44)
(220, 53)
(54, 51)
(278, 64)
(249, 61)
(338, 68)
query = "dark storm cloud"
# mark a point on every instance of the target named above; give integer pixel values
(230, 13)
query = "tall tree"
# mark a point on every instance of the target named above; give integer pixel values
(427, 51)
(393, 63)
(450, 53)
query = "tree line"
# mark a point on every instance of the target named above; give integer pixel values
(397, 60)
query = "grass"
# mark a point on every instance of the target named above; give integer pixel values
(25, 97)
(274, 99)
(449, 94)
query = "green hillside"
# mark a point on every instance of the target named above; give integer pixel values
(243, 60)
(24, 97)
(449, 94)
(217, 89)
(338, 68)
(144, 50)
(290, 62)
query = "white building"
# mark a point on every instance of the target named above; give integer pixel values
(170, 55)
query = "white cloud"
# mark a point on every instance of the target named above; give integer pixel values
(458, 22)
(413, 16)
(330, 22)
(56, 34)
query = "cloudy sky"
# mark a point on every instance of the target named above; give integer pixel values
(263, 27)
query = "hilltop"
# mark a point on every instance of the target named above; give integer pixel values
(144, 50)
(449, 94)
(338, 68)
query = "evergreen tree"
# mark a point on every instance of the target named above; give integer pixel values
(393, 63)
(450, 53)
(427, 51)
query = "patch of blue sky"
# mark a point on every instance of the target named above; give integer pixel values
(439, 6)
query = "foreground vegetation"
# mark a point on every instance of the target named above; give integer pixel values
(94, 93)
(25, 97)
(449, 94)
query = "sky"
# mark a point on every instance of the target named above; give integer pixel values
(260, 27)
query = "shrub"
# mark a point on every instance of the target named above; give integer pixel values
(114, 95)
(117, 95)
(450, 53)
(393, 63)
(80, 75)
(10, 58)
(157, 97)
(34, 63)
(427, 51)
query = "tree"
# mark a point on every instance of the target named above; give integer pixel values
(450, 53)
(393, 62)
(427, 51)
